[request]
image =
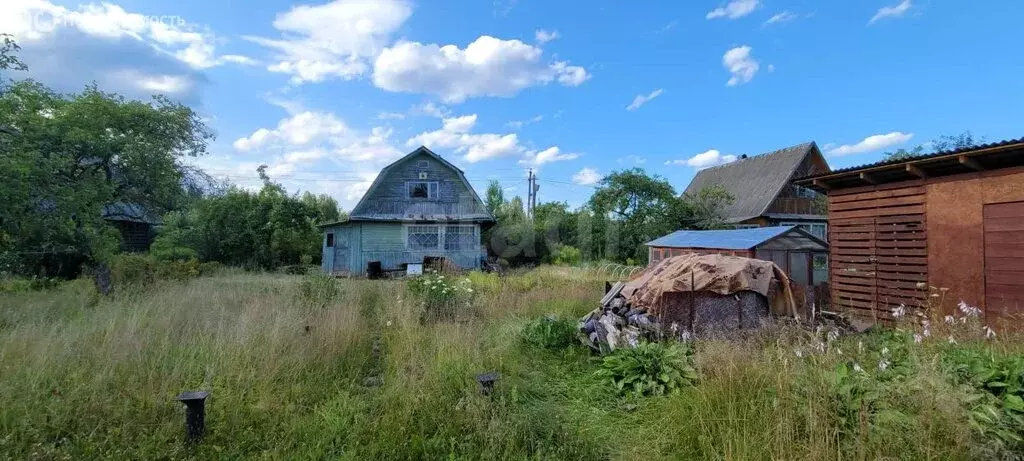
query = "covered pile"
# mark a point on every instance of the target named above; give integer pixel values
(689, 294)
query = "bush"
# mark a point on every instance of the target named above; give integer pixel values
(650, 369)
(997, 411)
(551, 332)
(319, 289)
(19, 284)
(568, 256)
(444, 297)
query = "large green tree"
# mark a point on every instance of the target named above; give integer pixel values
(639, 205)
(66, 156)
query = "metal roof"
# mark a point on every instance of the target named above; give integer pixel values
(754, 182)
(730, 239)
(132, 212)
(991, 156)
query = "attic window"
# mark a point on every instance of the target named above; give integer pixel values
(423, 164)
(421, 189)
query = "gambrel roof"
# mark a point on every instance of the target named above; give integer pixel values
(755, 181)
(463, 205)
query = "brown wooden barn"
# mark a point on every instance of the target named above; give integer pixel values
(950, 220)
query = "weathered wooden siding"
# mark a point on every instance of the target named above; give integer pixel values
(385, 242)
(389, 199)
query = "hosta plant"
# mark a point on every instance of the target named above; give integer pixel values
(650, 368)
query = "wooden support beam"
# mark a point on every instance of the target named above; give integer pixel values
(970, 163)
(916, 171)
(821, 184)
(868, 178)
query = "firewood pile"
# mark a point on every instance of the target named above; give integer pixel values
(616, 324)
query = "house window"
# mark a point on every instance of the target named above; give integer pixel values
(423, 237)
(421, 190)
(459, 238)
(747, 226)
(330, 239)
(819, 230)
(423, 164)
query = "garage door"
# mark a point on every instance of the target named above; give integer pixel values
(1004, 260)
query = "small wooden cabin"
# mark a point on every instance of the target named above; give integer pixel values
(420, 209)
(950, 220)
(801, 255)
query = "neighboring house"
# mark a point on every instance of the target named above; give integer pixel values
(944, 226)
(802, 256)
(419, 207)
(136, 223)
(763, 190)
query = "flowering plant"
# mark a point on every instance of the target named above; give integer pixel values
(443, 296)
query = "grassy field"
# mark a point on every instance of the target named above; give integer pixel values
(287, 360)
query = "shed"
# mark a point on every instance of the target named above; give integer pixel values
(136, 223)
(801, 255)
(951, 220)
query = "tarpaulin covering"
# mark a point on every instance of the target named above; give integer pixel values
(723, 275)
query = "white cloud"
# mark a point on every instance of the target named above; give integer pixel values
(734, 9)
(455, 134)
(103, 42)
(631, 159)
(870, 144)
(543, 36)
(551, 154)
(519, 124)
(779, 18)
(740, 64)
(300, 129)
(704, 160)
(333, 40)
(431, 109)
(586, 177)
(239, 59)
(894, 11)
(486, 67)
(640, 99)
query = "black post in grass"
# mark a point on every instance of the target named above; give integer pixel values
(195, 414)
(486, 381)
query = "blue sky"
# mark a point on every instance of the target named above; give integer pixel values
(328, 93)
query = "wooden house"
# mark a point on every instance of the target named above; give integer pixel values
(763, 191)
(950, 220)
(419, 208)
(135, 222)
(801, 255)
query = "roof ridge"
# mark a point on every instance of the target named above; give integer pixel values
(741, 157)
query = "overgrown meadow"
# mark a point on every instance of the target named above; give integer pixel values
(311, 367)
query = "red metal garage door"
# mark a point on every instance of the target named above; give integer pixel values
(1004, 260)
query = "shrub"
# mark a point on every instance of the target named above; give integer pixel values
(997, 411)
(551, 332)
(444, 297)
(567, 255)
(650, 369)
(20, 284)
(319, 289)
(142, 269)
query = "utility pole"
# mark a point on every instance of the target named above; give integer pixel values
(533, 204)
(529, 194)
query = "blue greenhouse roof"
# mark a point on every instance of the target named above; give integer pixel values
(731, 239)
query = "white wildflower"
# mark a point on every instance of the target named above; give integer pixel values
(857, 368)
(949, 319)
(388, 324)
(820, 347)
(883, 364)
(799, 354)
(969, 311)
(918, 338)
(860, 347)
(839, 351)
(885, 351)
(899, 311)
(951, 340)
(989, 332)
(833, 335)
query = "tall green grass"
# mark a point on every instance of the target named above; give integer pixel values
(287, 358)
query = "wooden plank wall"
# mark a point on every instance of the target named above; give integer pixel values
(878, 250)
